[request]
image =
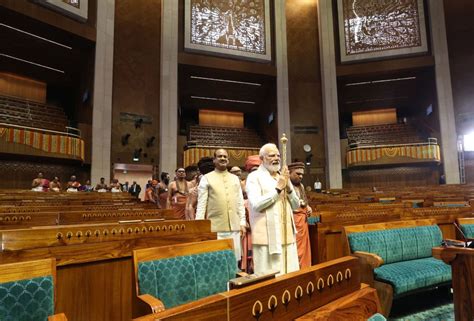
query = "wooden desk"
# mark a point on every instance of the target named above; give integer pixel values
(286, 297)
(462, 265)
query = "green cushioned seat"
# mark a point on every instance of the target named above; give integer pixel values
(397, 245)
(407, 255)
(27, 300)
(468, 230)
(312, 220)
(413, 274)
(183, 279)
(377, 317)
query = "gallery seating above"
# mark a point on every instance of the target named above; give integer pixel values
(384, 134)
(223, 136)
(23, 112)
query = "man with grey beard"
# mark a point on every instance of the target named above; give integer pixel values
(270, 192)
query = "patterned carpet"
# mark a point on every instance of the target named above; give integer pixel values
(435, 305)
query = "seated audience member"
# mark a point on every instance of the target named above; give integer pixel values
(55, 185)
(135, 189)
(73, 185)
(101, 186)
(87, 187)
(45, 185)
(115, 186)
(37, 184)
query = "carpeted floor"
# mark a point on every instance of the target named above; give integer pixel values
(435, 305)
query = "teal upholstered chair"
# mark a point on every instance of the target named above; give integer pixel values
(27, 291)
(399, 254)
(377, 317)
(173, 275)
(467, 227)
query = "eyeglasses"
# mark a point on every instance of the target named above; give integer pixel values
(180, 171)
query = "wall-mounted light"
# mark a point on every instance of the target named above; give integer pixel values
(136, 155)
(150, 141)
(308, 159)
(125, 139)
(138, 123)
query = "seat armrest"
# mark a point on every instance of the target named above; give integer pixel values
(57, 317)
(155, 304)
(369, 258)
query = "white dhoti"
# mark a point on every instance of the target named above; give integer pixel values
(235, 236)
(263, 261)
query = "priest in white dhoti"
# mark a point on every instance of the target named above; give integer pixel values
(272, 200)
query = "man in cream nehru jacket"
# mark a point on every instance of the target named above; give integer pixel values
(220, 200)
(266, 188)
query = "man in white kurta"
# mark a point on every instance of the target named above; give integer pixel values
(274, 246)
(220, 200)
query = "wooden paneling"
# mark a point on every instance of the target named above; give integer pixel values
(391, 176)
(459, 28)
(136, 83)
(304, 84)
(221, 118)
(21, 87)
(374, 117)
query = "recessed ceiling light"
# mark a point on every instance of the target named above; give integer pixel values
(226, 80)
(32, 63)
(36, 36)
(224, 99)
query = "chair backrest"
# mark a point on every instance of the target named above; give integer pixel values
(178, 274)
(467, 226)
(27, 290)
(395, 242)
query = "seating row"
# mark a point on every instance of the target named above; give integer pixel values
(26, 113)
(383, 134)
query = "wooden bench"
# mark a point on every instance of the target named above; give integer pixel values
(396, 257)
(288, 297)
(177, 274)
(28, 292)
(94, 261)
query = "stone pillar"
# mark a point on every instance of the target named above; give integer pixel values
(283, 103)
(169, 86)
(449, 155)
(103, 80)
(329, 94)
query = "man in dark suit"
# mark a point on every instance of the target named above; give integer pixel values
(134, 189)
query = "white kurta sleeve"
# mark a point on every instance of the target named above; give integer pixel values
(293, 198)
(259, 201)
(202, 199)
(241, 207)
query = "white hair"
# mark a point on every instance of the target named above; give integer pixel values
(263, 149)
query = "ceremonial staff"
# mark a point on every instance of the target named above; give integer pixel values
(283, 141)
